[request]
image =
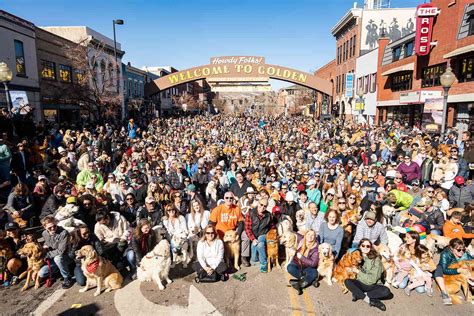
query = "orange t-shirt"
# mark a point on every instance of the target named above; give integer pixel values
(226, 218)
(455, 231)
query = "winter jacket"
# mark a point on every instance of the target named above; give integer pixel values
(155, 217)
(118, 232)
(51, 205)
(5, 156)
(435, 218)
(312, 260)
(371, 271)
(91, 241)
(426, 169)
(410, 172)
(460, 195)
(404, 199)
(57, 243)
(447, 258)
(136, 245)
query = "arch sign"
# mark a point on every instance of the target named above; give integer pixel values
(243, 68)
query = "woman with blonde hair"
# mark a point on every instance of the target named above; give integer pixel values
(304, 265)
(210, 265)
(198, 217)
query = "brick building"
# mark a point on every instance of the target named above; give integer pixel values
(324, 102)
(405, 80)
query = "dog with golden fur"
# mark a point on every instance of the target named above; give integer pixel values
(347, 268)
(326, 262)
(387, 262)
(98, 271)
(35, 258)
(272, 248)
(290, 241)
(232, 248)
(460, 282)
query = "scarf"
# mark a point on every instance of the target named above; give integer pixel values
(143, 243)
(92, 267)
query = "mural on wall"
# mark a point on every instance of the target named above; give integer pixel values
(393, 24)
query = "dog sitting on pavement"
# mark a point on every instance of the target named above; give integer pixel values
(387, 262)
(347, 268)
(232, 248)
(326, 262)
(156, 265)
(272, 249)
(35, 258)
(182, 252)
(98, 271)
(290, 241)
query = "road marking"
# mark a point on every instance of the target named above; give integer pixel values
(49, 302)
(140, 305)
(308, 303)
(295, 306)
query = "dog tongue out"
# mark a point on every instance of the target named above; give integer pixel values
(92, 267)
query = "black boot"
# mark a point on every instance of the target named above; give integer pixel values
(354, 298)
(378, 304)
(245, 262)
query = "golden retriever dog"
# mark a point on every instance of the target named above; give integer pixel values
(326, 262)
(98, 271)
(193, 238)
(155, 266)
(232, 248)
(433, 242)
(460, 282)
(34, 256)
(272, 249)
(387, 262)
(290, 241)
(347, 268)
(182, 251)
(349, 218)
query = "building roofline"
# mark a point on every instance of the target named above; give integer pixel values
(345, 19)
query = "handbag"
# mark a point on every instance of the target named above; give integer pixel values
(203, 277)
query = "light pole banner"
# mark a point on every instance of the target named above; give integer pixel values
(349, 85)
(433, 114)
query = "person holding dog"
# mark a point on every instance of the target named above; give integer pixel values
(304, 265)
(257, 224)
(210, 265)
(56, 241)
(368, 285)
(143, 241)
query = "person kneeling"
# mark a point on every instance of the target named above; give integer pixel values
(305, 262)
(210, 266)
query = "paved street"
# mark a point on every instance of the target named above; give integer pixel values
(261, 294)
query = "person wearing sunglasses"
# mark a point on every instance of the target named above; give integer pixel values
(257, 224)
(55, 245)
(455, 252)
(210, 265)
(368, 285)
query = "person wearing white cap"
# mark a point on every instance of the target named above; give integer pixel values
(152, 212)
(314, 195)
(290, 207)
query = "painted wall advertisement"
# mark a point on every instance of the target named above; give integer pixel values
(433, 114)
(20, 103)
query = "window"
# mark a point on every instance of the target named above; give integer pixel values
(373, 83)
(65, 73)
(78, 76)
(366, 84)
(471, 26)
(338, 55)
(396, 53)
(409, 49)
(402, 82)
(466, 69)
(343, 83)
(431, 75)
(20, 59)
(48, 70)
(350, 48)
(354, 45)
(344, 52)
(359, 83)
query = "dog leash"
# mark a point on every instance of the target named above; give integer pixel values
(49, 281)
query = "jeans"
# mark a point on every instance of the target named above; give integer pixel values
(359, 290)
(244, 245)
(79, 275)
(132, 259)
(260, 251)
(404, 284)
(60, 262)
(310, 273)
(436, 232)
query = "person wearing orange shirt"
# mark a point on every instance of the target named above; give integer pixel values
(454, 229)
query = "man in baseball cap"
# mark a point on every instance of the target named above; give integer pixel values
(460, 193)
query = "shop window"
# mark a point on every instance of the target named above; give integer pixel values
(466, 71)
(402, 82)
(78, 76)
(48, 70)
(20, 59)
(65, 73)
(373, 83)
(409, 49)
(431, 75)
(471, 26)
(396, 53)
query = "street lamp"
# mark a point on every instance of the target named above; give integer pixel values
(118, 22)
(447, 79)
(5, 77)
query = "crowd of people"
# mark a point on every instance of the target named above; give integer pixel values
(122, 189)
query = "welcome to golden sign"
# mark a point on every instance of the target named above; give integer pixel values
(244, 70)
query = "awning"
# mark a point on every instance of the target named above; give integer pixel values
(407, 67)
(460, 51)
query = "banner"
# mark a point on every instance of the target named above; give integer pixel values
(20, 103)
(433, 114)
(349, 85)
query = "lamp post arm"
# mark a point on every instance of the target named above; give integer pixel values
(445, 111)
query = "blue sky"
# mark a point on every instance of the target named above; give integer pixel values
(292, 33)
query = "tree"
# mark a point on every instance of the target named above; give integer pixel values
(187, 99)
(219, 103)
(96, 75)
